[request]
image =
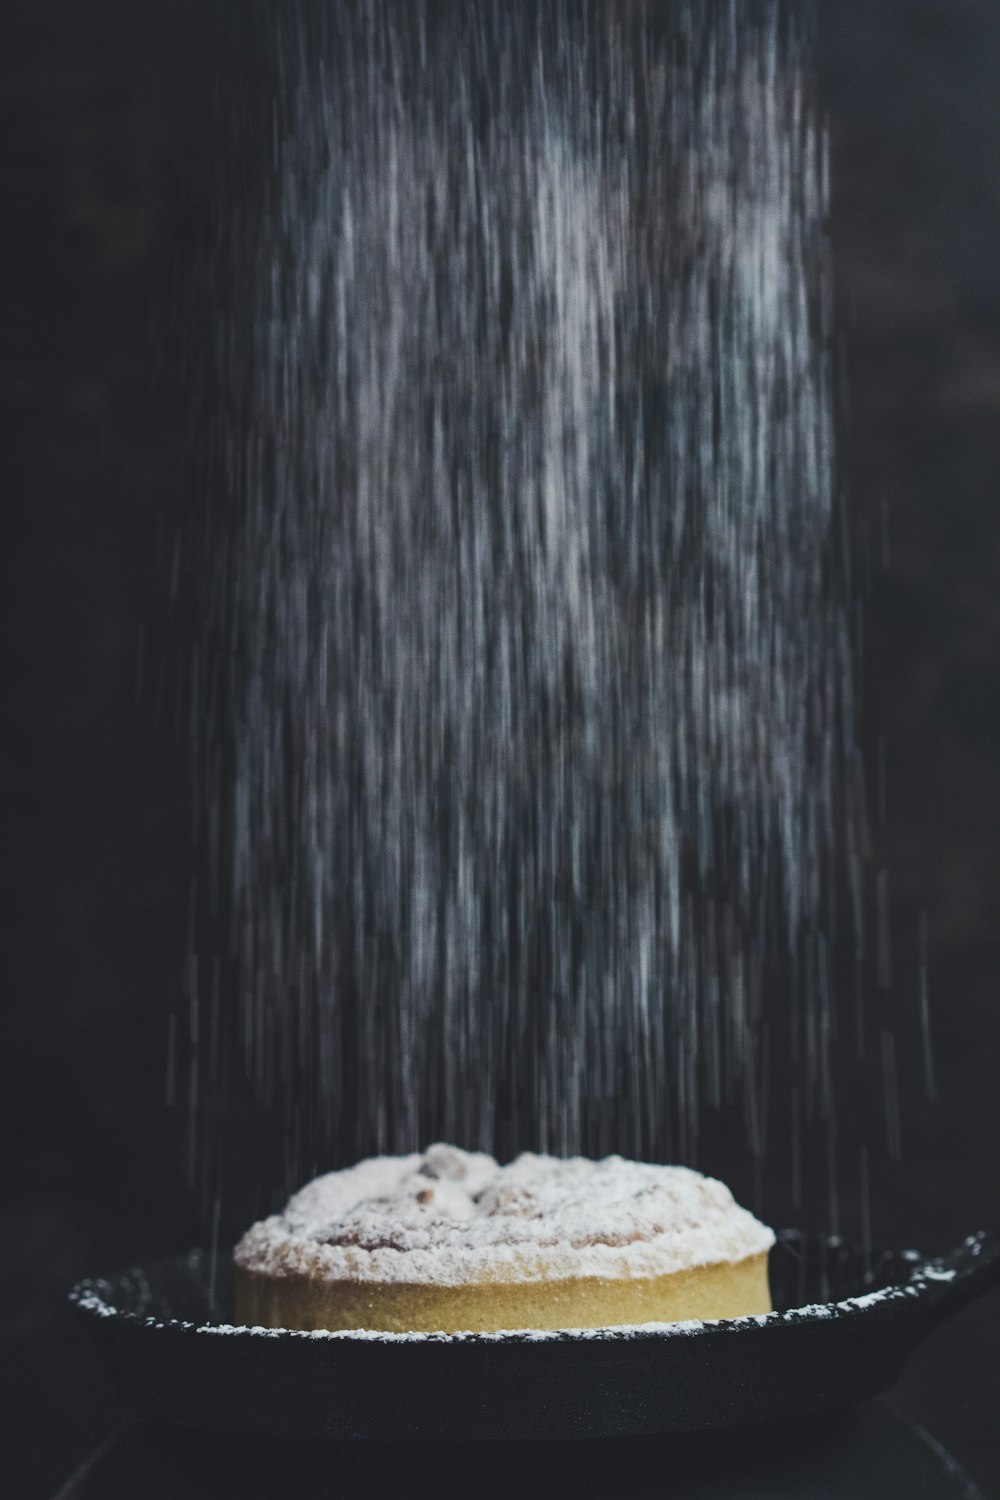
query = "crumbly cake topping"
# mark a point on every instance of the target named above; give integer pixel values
(450, 1217)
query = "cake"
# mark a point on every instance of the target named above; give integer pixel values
(449, 1241)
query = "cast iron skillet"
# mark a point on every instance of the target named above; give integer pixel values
(843, 1328)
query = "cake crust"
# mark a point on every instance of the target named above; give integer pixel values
(727, 1290)
(450, 1241)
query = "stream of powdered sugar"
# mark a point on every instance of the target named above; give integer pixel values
(523, 719)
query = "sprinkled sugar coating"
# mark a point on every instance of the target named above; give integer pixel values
(448, 1217)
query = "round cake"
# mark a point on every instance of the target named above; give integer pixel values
(449, 1241)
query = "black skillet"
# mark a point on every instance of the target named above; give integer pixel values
(842, 1330)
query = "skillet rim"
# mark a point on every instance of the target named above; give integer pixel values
(929, 1278)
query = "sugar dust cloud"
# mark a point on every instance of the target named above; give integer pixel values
(523, 716)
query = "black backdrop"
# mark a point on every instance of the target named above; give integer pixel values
(106, 163)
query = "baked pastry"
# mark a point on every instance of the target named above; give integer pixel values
(449, 1241)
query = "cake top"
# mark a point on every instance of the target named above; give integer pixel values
(451, 1217)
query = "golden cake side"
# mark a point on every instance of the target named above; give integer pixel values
(725, 1290)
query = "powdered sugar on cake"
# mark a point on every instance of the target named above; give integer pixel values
(448, 1217)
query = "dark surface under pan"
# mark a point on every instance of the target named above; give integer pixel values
(870, 1453)
(843, 1328)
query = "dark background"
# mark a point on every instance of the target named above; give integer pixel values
(106, 159)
